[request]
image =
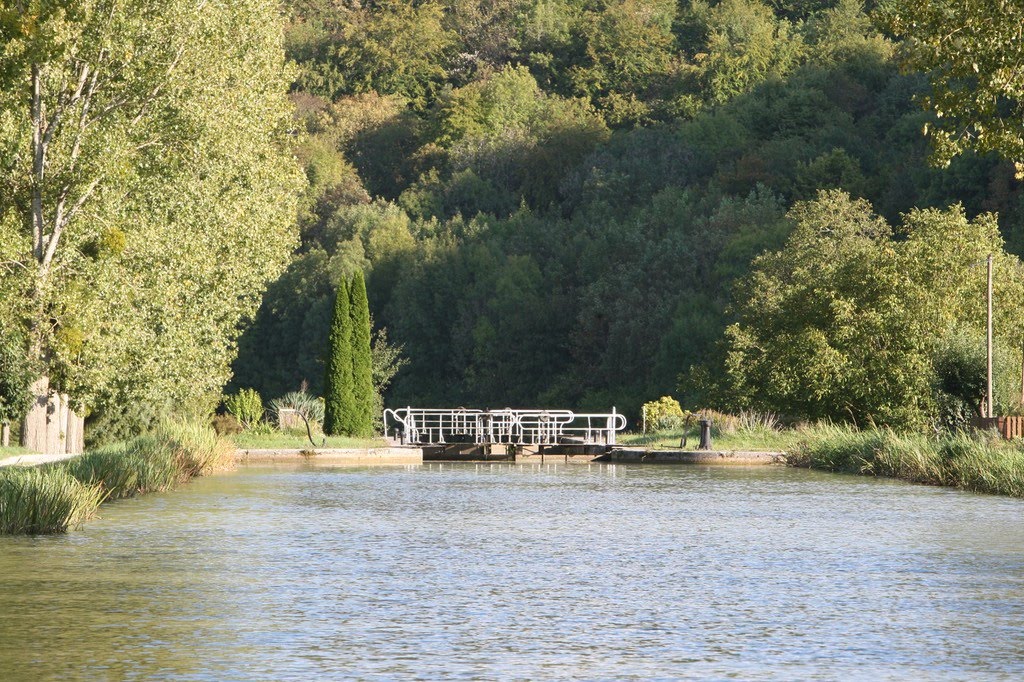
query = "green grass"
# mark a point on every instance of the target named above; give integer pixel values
(755, 439)
(44, 500)
(295, 441)
(977, 462)
(13, 451)
(57, 497)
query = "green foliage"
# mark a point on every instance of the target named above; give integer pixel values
(388, 361)
(960, 363)
(395, 46)
(746, 44)
(246, 406)
(972, 54)
(339, 383)
(841, 323)
(562, 213)
(15, 374)
(112, 423)
(360, 420)
(165, 198)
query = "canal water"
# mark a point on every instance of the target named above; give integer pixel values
(523, 572)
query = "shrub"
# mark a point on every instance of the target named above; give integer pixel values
(226, 425)
(307, 406)
(663, 414)
(246, 406)
(15, 375)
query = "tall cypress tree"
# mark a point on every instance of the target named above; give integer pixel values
(339, 400)
(361, 423)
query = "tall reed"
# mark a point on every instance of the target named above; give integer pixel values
(968, 461)
(55, 498)
(44, 500)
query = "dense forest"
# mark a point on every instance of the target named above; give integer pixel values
(556, 201)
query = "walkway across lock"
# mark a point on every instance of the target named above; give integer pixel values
(430, 426)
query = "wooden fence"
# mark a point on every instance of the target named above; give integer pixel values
(1008, 427)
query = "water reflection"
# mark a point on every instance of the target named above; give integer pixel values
(468, 571)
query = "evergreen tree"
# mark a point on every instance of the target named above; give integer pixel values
(339, 400)
(360, 421)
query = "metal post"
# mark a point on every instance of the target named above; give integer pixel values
(988, 395)
(705, 434)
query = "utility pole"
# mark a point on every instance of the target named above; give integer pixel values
(988, 398)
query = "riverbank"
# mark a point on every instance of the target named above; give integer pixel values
(379, 453)
(55, 497)
(978, 462)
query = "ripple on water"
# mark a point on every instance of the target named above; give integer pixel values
(523, 572)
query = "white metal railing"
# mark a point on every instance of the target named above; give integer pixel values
(422, 426)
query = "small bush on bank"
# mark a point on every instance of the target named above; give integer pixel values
(246, 406)
(663, 414)
(226, 425)
(44, 500)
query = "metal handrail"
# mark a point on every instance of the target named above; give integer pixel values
(420, 426)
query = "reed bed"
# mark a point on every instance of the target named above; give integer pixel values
(59, 497)
(974, 462)
(44, 500)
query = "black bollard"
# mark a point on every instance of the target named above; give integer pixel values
(705, 434)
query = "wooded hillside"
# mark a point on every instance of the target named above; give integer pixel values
(554, 199)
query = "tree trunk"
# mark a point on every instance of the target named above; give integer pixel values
(54, 446)
(5, 435)
(78, 442)
(64, 419)
(33, 429)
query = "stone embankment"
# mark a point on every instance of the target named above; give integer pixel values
(383, 455)
(663, 456)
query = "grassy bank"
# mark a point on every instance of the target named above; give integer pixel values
(975, 462)
(979, 462)
(37, 500)
(747, 431)
(295, 441)
(58, 497)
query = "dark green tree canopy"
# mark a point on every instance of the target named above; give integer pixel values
(557, 207)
